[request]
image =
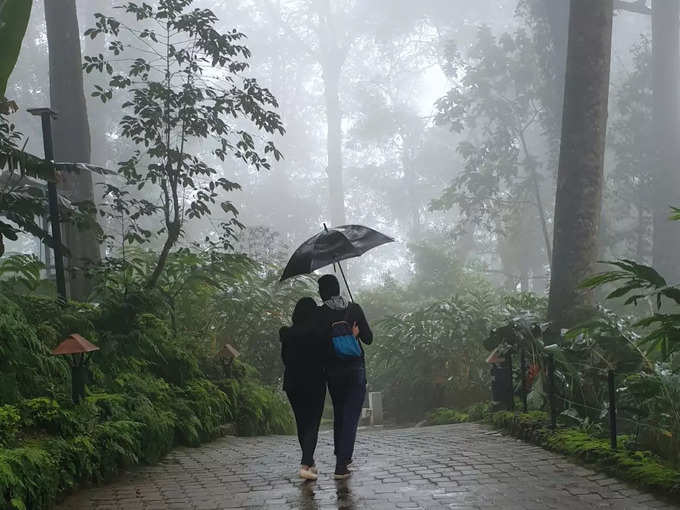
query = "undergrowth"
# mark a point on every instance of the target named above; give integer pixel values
(641, 468)
(148, 391)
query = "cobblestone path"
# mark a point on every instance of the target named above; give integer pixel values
(455, 467)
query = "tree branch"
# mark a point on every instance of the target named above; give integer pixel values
(639, 6)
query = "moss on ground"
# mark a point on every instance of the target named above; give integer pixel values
(640, 468)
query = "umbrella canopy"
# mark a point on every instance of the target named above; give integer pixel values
(331, 246)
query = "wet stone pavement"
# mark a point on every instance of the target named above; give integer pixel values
(465, 466)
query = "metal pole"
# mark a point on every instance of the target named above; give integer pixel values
(612, 409)
(511, 404)
(523, 378)
(46, 116)
(551, 391)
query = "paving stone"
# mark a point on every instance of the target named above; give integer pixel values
(463, 466)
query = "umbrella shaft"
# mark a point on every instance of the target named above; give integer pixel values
(346, 284)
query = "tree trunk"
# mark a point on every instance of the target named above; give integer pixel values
(666, 119)
(71, 132)
(578, 201)
(331, 79)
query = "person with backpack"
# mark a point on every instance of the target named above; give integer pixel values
(303, 351)
(345, 324)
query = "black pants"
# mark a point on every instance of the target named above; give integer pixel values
(348, 390)
(307, 403)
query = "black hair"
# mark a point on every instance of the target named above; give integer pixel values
(328, 286)
(304, 310)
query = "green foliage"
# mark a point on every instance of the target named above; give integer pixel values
(258, 410)
(9, 425)
(28, 478)
(47, 416)
(640, 283)
(640, 467)
(497, 101)
(26, 368)
(20, 271)
(479, 411)
(22, 197)
(148, 389)
(444, 416)
(433, 356)
(14, 16)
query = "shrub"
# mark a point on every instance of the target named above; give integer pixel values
(147, 393)
(444, 416)
(9, 425)
(201, 409)
(258, 409)
(28, 478)
(46, 415)
(26, 367)
(118, 444)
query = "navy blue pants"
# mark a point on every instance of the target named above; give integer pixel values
(347, 387)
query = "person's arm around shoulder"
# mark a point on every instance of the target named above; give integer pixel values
(365, 333)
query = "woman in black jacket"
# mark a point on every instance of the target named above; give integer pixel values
(303, 352)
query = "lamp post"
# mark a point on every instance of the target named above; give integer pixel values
(46, 115)
(80, 350)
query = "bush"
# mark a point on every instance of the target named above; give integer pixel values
(26, 367)
(147, 393)
(45, 415)
(9, 425)
(433, 356)
(258, 410)
(444, 416)
(28, 478)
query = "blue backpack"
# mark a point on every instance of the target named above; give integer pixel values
(345, 344)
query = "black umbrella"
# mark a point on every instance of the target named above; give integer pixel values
(330, 246)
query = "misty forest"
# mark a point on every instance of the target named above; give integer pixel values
(161, 161)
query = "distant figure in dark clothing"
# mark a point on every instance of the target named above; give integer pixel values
(304, 350)
(346, 376)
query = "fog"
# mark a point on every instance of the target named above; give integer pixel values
(399, 150)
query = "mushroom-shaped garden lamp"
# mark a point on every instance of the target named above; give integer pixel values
(80, 350)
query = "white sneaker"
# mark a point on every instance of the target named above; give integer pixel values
(308, 473)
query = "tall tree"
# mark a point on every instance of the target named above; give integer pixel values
(178, 116)
(71, 132)
(666, 118)
(325, 35)
(578, 200)
(332, 59)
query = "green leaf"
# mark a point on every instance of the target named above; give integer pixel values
(14, 16)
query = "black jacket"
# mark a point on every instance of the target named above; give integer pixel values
(353, 313)
(303, 351)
